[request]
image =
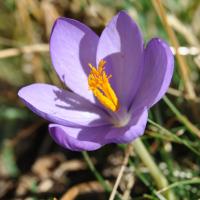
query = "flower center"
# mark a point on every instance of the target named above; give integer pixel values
(122, 121)
(98, 82)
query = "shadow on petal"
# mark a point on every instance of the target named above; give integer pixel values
(61, 106)
(92, 138)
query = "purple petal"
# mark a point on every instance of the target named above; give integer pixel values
(121, 45)
(72, 46)
(78, 139)
(61, 106)
(90, 138)
(157, 74)
(133, 130)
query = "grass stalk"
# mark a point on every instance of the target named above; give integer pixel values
(184, 69)
(155, 172)
(183, 119)
(95, 172)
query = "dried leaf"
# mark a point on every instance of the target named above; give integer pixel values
(82, 188)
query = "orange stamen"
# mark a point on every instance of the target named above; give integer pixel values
(98, 82)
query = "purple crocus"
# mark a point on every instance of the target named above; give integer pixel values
(113, 81)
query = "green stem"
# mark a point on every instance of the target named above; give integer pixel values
(98, 176)
(95, 172)
(155, 172)
(183, 119)
(179, 183)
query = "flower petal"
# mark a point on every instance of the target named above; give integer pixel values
(61, 106)
(79, 139)
(72, 46)
(121, 45)
(133, 130)
(157, 74)
(92, 138)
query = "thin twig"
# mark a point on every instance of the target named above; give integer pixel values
(183, 29)
(184, 51)
(121, 172)
(24, 50)
(39, 48)
(98, 176)
(178, 93)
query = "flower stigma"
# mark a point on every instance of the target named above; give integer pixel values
(98, 82)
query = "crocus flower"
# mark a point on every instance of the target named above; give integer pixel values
(113, 80)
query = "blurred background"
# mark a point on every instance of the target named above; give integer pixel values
(32, 166)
